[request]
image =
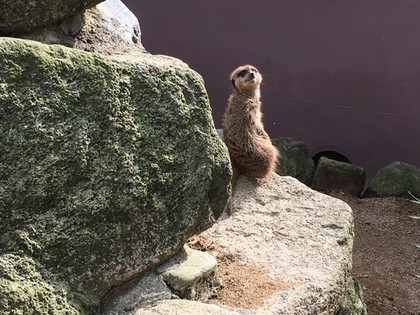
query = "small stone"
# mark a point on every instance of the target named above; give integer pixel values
(183, 276)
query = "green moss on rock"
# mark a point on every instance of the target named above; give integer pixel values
(395, 180)
(24, 290)
(353, 304)
(108, 164)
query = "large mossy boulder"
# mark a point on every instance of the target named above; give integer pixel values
(395, 180)
(294, 160)
(107, 166)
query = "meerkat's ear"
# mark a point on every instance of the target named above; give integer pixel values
(233, 83)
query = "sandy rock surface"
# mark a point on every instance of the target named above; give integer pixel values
(303, 237)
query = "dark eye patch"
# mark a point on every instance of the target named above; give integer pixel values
(242, 73)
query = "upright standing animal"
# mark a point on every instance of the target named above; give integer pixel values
(251, 151)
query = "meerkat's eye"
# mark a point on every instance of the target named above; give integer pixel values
(242, 73)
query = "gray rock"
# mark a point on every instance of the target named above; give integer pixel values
(396, 179)
(294, 160)
(331, 175)
(187, 276)
(301, 236)
(185, 307)
(144, 293)
(22, 16)
(108, 165)
(109, 28)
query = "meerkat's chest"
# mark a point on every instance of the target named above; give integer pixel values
(252, 112)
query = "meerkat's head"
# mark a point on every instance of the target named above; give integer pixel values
(246, 79)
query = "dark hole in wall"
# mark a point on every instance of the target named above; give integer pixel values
(331, 155)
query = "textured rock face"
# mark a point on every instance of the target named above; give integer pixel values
(144, 292)
(331, 175)
(294, 160)
(108, 166)
(301, 236)
(108, 28)
(184, 307)
(396, 179)
(188, 274)
(21, 16)
(24, 289)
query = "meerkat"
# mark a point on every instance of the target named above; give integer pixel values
(251, 151)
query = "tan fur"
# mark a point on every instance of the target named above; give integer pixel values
(250, 148)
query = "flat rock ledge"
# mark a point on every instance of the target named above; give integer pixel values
(300, 236)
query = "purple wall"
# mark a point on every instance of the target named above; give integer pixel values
(338, 75)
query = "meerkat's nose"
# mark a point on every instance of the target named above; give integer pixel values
(252, 74)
